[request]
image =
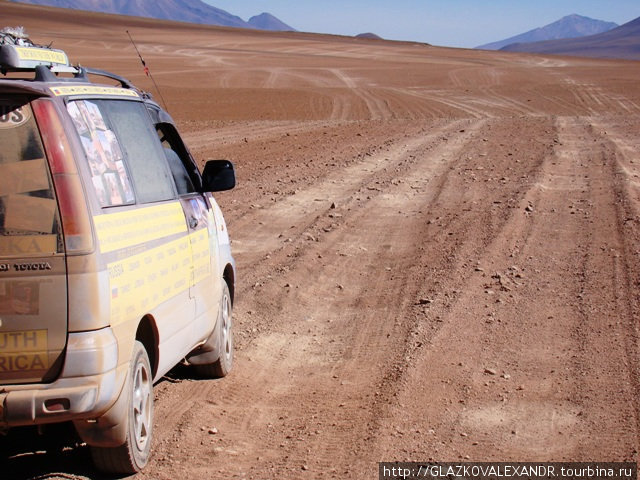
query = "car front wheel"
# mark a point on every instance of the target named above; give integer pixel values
(222, 366)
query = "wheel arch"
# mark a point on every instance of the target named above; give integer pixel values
(229, 277)
(147, 334)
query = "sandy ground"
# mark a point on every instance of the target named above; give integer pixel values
(438, 251)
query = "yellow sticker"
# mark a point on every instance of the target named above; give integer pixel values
(133, 227)
(28, 244)
(23, 341)
(201, 255)
(23, 362)
(141, 282)
(93, 90)
(23, 351)
(42, 55)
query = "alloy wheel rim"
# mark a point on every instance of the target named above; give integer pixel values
(226, 326)
(142, 406)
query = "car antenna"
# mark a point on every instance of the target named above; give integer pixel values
(148, 72)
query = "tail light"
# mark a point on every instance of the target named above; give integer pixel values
(66, 180)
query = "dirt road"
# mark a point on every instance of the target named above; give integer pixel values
(438, 251)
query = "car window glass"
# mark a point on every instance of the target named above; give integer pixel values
(103, 153)
(177, 157)
(28, 210)
(143, 152)
(129, 155)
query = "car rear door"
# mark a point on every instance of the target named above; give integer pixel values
(33, 276)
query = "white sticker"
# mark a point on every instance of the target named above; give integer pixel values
(12, 116)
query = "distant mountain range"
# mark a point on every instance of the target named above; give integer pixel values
(193, 11)
(571, 26)
(620, 42)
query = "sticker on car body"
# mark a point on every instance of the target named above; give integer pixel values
(12, 116)
(23, 350)
(92, 90)
(42, 54)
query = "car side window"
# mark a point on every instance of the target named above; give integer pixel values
(177, 157)
(104, 154)
(143, 152)
(123, 152)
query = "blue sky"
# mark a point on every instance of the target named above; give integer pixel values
(454, 23)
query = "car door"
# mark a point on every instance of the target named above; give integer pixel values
(205, 285)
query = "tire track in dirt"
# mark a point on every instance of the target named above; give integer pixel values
(448, 99)
(303, 209)
(502, 357)
(378, 108)
(595, 100)
(377, 244)
(342, 107)
(241, 132)
(626, 170)
(405, 106)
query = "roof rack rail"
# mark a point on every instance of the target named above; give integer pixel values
(124, 83)
(47, 74)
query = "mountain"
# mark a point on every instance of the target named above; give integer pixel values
(369, 35)
(571, 26)
(266, 21)
(621, 42)
(193, 11)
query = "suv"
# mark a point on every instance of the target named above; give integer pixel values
(115, 260)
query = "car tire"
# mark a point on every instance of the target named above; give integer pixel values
(222, 366)
(133, 455)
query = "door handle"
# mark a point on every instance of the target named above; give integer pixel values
(193, 222)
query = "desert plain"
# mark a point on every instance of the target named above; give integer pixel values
(438, 250)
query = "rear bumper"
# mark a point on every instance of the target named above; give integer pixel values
(89, 384)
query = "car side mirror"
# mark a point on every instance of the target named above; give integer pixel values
(218, 176)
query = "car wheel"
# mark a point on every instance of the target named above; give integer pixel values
(221, 367)
(132, 456)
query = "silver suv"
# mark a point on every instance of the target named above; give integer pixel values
(115, 262)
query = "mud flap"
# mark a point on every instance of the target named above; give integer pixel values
(209, 352)
(110, 429)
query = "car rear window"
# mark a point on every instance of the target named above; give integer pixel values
(29, 223)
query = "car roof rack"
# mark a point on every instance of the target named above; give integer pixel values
(19, 54)
(124, 83)
(47, 74)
